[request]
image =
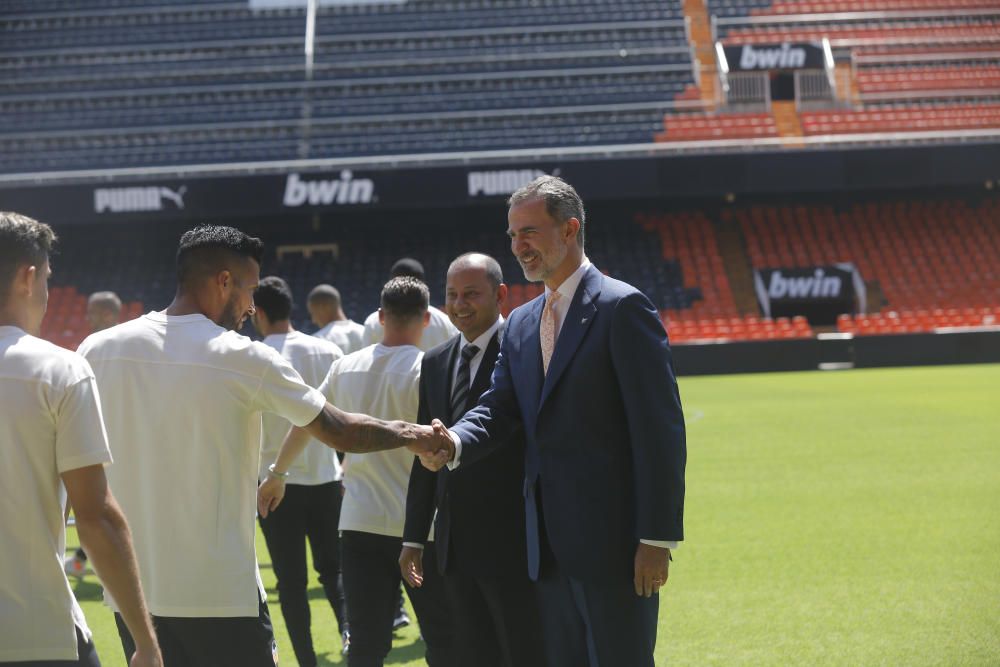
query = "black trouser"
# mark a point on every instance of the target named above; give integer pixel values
(497, 620)
(242, 641)
(85, 649)
(307, 512)
(371, 581)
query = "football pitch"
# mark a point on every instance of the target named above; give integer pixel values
(840, 518)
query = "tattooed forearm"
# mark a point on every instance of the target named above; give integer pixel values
(375, 435)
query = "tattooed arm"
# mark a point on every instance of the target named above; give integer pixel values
(354, 433)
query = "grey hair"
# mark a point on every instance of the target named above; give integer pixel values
(478, 260)
(561, 200)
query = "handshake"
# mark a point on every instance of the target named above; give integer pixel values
(434, 446)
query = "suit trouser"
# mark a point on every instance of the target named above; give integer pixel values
(596, 623)
(497, 620)
(306, 512)
(371, 584)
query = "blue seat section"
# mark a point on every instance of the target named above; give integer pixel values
(427, 134)
(134, 83)
(139, 266)
(733, 8)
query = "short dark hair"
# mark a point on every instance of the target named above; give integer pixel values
(479, 260)
(407, 266)
(405, 298)
(274, 297)
(324, 294)
(205, 250)
(23, 241)
(561, 200)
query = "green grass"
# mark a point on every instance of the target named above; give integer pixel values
(847, 518)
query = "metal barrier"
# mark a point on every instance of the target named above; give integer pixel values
(813, 90)
(748, 90)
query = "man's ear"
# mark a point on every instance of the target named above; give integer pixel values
(572, 228)
(224, 279)
(381, 317)
(427, 318)
(501, 294)
(24, 280)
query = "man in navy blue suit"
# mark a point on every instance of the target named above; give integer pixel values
(586, 370)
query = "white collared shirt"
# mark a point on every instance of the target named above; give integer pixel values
(567, 290)
(482, 342)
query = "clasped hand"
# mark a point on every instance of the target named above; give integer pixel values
(436, 449)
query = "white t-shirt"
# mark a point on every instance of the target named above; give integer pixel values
(383, 382)
(182, 401)
(438, 330)
(50, 423)
(348, 335)
(311, 357)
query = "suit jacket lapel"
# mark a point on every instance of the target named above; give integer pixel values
(578, 319)
(485, 372)
(446, 376)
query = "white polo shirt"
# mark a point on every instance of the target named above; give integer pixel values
(348, 335)
(438, 330)
(312, 358)
(50, 423)
(383, 382)
(182, 402)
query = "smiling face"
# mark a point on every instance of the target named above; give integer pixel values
(471, 300)
(546, 249)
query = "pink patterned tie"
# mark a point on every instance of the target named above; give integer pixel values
(547, 329)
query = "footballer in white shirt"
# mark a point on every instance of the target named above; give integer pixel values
(383, 380)
(183, 395)
(327, 312)
(311, 509)
(439, 328)
(54, 448)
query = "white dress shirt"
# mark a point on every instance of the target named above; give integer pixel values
(474, 363)
(482, 342)
(567, 290)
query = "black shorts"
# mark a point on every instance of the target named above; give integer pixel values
(242, 641)
(84, 647)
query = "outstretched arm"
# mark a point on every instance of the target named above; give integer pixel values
(361, 434)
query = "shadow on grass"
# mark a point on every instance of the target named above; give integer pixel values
(89, 588)
(400, 655)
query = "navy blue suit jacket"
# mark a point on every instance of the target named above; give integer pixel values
(604, 430)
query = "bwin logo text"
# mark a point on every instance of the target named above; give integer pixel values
(345, 190)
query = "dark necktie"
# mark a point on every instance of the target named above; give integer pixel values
(460, 392)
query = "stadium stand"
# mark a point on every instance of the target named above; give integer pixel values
(122, 83)
(932, 262)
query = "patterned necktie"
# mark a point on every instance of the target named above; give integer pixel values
(547, 329)
(463, 382)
